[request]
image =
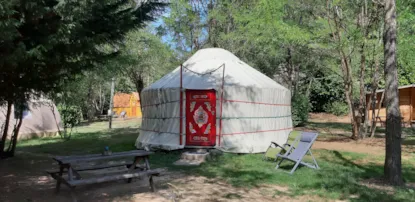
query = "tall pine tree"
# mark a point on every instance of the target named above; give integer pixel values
(43, 43)
(393, 163)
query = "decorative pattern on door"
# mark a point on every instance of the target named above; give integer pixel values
(200, 117)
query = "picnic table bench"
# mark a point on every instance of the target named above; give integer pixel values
(67, 164)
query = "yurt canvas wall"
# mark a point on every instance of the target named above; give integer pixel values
(41, 120)
(256, 109)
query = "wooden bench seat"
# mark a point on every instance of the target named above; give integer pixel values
(94, 167)
(110, 177)
(114, 177)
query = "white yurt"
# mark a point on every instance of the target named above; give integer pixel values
(226, 104)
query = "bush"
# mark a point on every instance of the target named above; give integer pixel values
(300, 108)
(71, 116)
(337, 108)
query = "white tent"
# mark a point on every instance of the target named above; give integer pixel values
(255, 109)
(42, 119)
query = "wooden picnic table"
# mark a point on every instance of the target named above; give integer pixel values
(67, 164)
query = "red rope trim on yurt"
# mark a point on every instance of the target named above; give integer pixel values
(260, 103)
(260, 131)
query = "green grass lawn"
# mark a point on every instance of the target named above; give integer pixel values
(341, 175)
(407, 131)
(90, 138)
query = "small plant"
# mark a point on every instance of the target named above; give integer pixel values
(300, 108)
(71, 116)
(337, 108)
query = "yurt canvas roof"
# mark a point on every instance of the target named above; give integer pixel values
(42, 119)
(210, 61)
(246, 109)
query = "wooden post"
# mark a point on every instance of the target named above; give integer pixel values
(58, 181)
(221, 105)
(181, 106)
(411, 107)
(153, 188)
(133, 166)
(373, 130)
(70, 173)
(111, 102)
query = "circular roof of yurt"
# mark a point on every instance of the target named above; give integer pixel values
(204, 70)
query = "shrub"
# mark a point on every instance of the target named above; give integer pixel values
(337, 108)
(300, 108)
(71, 116)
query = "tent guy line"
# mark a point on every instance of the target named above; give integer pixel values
(206, 73)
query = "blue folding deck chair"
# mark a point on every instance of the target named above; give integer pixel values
(305, 140)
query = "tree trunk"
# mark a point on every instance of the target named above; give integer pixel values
(348, 86)
(12, 147)
(373, 130)
(393, 166)
(373, 98)
(138, 80)
(346, 71)
(6, 128)
(362, 98)
(91, 105)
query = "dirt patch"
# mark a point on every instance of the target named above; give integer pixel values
(197, 188)
(349, 147)
(325, 117)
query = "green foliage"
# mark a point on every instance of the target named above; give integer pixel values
(324, 90)
(71, 116)
(88, 91)
(300, 108)
(406, 42)
(337, 108)
(143, 59)
(185, 25)
(45, 43)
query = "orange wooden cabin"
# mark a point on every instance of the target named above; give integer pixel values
(406, 105)
(130, 103)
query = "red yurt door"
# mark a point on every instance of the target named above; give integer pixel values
(200, 117)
